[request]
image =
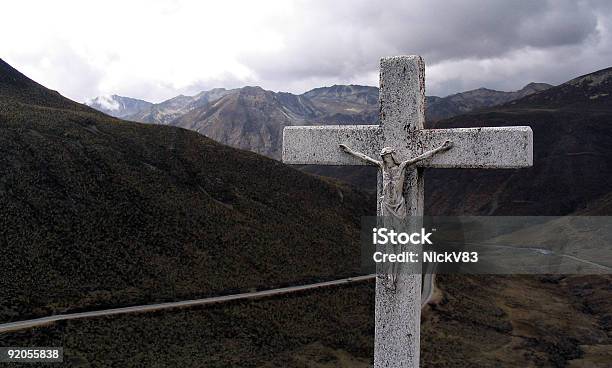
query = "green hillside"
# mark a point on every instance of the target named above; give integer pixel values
(97, 212)
(572, 158)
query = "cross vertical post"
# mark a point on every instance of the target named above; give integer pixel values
(398, 310)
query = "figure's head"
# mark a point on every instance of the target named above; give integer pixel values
(387, 155)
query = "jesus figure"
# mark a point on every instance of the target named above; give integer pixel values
(393, 175)
(393, 204)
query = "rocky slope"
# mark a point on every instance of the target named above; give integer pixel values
(98, 212)
(445, 107)
(346, 104)
(167, 111)
(251, 118)
(590, 91)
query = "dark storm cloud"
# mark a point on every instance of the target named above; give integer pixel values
(344, 39)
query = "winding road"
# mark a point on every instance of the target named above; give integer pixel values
(20, 325)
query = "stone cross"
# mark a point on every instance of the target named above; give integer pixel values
(402, 114)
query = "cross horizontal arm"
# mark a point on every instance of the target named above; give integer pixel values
(484, 148)
(319, 145)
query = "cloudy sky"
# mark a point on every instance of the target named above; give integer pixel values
(157, 49)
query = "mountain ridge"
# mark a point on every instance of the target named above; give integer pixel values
(592, 89)
(352, 93)
(254, 119)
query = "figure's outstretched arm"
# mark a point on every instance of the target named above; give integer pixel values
(361, 156)
(444, 147)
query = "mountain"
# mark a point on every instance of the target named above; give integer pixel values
(167, 111)
(155, 113)
(252, 118)
(354, 95)
(588, 91)
(359, 104)
(98, 212)
(346, 104)
(570, 137)
(118, 106)
(572, 155)
(460, 103)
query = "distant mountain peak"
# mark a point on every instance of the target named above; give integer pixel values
(340, 90)
(252, 118)
(213, 91)
(531, 88)
(252, 88)
(537, 85)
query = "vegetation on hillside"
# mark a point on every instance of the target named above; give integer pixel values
(572, 160)
(476, 322)
(97, 212)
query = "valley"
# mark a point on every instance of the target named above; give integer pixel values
(100, 212)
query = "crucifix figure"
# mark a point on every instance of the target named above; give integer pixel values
(393, 205)
(393, 174)
(402, 116)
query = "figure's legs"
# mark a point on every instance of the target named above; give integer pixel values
(390, 270)
(387, 270)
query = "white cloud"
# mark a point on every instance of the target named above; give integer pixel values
(106, 102)
(157, 49)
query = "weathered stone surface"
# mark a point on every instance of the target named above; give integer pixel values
(402, 114)
(402, 96)
(494, 148)
(484, 148)
(397, 315)
(319, 145)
